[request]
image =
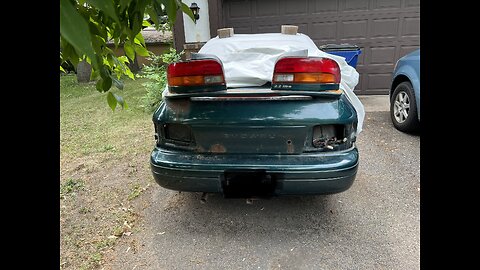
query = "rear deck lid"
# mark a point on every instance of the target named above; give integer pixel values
(250, 139)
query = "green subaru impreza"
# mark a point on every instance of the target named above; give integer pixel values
(291, 134)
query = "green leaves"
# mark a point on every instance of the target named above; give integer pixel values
(129, 73)
(153, 15)
(188, 11)
(121, 101)
(129, 50)
(124, 4)
(140, 50)
(139, 39)
(171, 8)
(106, 6)
(104, 84)
(119, 84)
(74, 29)
(114, 99)
(87, 25)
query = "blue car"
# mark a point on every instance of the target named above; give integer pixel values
(405, 93)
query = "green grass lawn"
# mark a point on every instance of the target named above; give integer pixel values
(88, 125)
(104, 168)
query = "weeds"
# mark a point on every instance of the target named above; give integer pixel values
(135, 192)
(157, 75)
(71, 186)
(95, 259)
(84, 210)
(107, 148)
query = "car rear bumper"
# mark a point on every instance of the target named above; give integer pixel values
(312, 173)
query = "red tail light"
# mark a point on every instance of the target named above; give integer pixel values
(306, 73)
(196, 74)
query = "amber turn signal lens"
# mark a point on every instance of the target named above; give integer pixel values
(314, 78)
(185, 81)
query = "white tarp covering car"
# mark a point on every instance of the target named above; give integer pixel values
(249, 60)
(258, 116)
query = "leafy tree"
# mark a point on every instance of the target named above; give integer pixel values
(87, 25)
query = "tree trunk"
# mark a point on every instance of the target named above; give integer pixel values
(84, 70)
(134, 67)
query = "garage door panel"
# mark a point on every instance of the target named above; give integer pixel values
(379, 81)
(382, 55)
(361, 58)
(239, 9)
(302, 28)
(411, 27)
(356, 5)
(354, 29)
(412, 3)
(267, 8)
(325, 6)
(267, 29)
(275, 28)
(377, 69)
(297, 7)
(323, 31)
(385, 30)
(243, 30)
(387, 4)
(385, 27)
(360, 84)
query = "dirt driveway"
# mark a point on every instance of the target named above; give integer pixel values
(373, 225)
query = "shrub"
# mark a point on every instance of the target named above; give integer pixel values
(156, 72)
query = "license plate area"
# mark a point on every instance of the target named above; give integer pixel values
(248, 184)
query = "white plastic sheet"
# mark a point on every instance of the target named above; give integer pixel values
(249, 59)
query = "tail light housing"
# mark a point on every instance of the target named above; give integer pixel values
(178, 132)
(205, 75)
(174, 135)
(306, 73)
(332, 137)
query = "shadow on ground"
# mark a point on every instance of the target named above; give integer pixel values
(230, 217)
(372, 225)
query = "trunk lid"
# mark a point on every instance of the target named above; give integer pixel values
(264, 139)
(256, 124)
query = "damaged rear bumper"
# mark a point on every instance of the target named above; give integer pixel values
(312, 173)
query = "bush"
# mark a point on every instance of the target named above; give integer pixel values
(156, 72)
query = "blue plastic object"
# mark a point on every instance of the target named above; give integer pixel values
(350, 52)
